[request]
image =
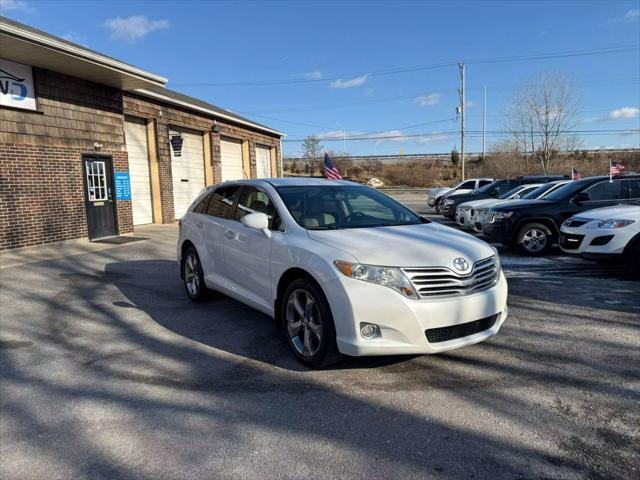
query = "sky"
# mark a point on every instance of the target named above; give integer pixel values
(357, 69)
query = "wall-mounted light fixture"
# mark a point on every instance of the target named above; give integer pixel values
(216, 128)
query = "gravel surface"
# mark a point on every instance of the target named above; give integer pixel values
(108, 371)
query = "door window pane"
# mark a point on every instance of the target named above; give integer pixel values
(605, 191)
(222, 202)
(96, 181)
(253, 200)
(470, 185)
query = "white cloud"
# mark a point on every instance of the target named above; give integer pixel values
(134, 27)
(314, 75)
(470, 103)
(428, 100)
(354, 82)
(434, 137)
(632, 15)
(624, 112)
(17, 5)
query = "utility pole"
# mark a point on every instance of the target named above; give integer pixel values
(462, 112)
(484, 123)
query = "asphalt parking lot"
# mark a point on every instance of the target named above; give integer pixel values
(108, 371)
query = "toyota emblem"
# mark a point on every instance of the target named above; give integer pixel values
(460, 264)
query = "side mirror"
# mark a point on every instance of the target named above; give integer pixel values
(257, 221)
(581, 197)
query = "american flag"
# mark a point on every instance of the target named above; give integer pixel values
(615, 168)
(575, 174)
(330, 170)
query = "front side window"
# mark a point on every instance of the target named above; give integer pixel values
(222, 202)
(501, 188)
(605, 191)
(253, 200)
(344, 206)
(485, 182)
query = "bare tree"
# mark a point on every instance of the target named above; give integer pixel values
(540, 116)
(311, 147)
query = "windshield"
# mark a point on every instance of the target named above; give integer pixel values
(486, 188)
(565, 191)
(509, 193)
(538, 191)
(344, 206)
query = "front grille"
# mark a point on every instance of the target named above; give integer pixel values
(569, 241)
(443, 334)
(432, 282)
(576, 222)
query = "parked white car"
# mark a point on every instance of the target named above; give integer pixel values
(480, 213)
(342, 267)
(375, 183)
(609, 232)
(465, 211)
(435, 195)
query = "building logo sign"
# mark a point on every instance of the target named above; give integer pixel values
(16, 85)
(175, 139)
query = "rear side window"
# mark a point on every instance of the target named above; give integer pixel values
(470, 185)
(253, 200)
(222, 202)
(485, 182)
(504, 187)
(632, 188)
(605, 191)
(203, 204)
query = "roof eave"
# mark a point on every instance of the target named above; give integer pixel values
(213, 113)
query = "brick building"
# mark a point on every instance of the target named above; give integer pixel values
(91, 146)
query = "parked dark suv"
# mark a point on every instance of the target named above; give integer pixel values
(533, 225)
(493, 190)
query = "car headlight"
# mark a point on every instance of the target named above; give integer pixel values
(391, 277)
(498, 262)
(501, 215)
(466, 209)
(449, 201)
(611, 223)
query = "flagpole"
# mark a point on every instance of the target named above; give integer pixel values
(610, 177)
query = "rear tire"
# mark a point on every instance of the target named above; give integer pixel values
(308, 324)
(534, 239)
(193, 276)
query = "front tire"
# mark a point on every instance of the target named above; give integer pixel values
(308, 324)
(193, 276)
(534, 239)
(634, 259)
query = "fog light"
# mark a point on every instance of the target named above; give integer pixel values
(369, 330)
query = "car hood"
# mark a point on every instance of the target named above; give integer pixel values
(519, 204)
(482, 203)
(422, 245)
(618, 212)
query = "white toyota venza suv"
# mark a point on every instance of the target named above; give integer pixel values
(343, 268)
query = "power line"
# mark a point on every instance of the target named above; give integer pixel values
(415, 68)
(470, 133)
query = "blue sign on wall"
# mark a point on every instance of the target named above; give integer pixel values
(123, 186)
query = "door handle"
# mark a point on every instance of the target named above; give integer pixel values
(230, 234)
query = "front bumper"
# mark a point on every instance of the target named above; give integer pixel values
(403, 322)
(592, 241)
(463, 218)
(448, 210)
(501, 232)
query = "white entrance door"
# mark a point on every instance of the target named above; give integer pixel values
(263, 162)
(187, 169)
(231, 158)
(135, 132)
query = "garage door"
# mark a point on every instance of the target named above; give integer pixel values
(135, 132)
(263, 162)
(231, 158)
(187, 168)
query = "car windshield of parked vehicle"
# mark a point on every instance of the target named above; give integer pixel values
(509, 193)
(533, 194)
(565, 191)
(344, 206)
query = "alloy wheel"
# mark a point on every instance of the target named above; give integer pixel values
(534, 240)
(304, 323)
(191, 274)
